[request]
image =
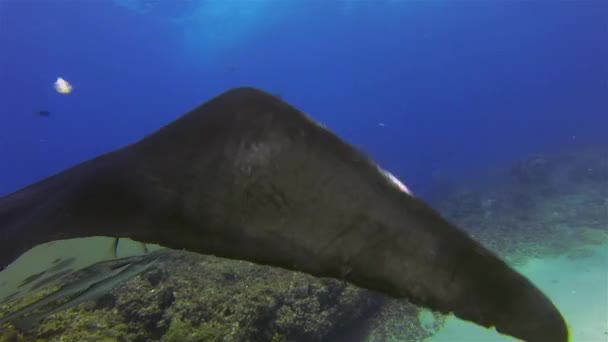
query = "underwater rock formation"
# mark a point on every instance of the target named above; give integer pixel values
(189, 297)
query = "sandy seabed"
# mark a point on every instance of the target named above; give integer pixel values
(579, 288)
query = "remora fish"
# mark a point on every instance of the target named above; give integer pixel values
(89, 276)
(95, 290)
(246, 176)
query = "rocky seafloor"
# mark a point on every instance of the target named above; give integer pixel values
(548, 205)
(190, 297)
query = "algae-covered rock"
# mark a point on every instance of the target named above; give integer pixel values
(400, 321)
(190, 297)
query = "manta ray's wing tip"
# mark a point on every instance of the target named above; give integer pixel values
(512, 304)
(539, 319)
(549, 326)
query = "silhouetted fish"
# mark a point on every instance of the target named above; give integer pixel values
(32, 278)
(57, 268)
(98, 279)
(247, 176)
(50, 279)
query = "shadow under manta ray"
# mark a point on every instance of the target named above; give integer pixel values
(247, 176)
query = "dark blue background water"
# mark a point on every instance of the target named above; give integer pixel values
(459, 86)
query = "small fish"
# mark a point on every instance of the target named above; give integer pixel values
(56, 268)
(49, 280)
(32, 278)
(62, 264)
(62, 86)
(43, 112)
(66, 291)
(32, 322)
(102, 278)
(60, 268)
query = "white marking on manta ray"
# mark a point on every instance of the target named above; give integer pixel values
(395, 181)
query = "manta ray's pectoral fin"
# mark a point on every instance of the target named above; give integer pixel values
(247, 176)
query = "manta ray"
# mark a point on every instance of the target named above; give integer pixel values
(247, 176)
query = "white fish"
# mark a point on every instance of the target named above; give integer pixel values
(62, 86)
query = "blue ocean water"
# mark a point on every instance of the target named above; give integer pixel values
(427, 88)
(440, 93)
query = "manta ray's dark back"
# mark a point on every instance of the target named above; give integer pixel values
(247, 176)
